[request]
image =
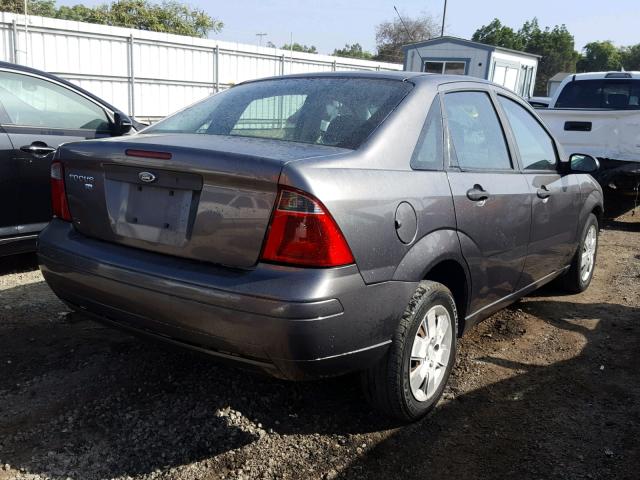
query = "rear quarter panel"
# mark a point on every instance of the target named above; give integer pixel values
(364, 203)
(363, 190)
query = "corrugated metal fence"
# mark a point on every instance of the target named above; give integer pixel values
(150, 74)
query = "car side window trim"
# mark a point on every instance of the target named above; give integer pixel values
(451, 158)
(508, 132)
(4, 116)
(513, 145)
(71, 132)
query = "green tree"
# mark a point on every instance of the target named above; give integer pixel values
(391, 36)
(600, 56)
(296, 47)
(555, 45)
(44, 8)
(170, 16)
(497, 34)
(80, 13)
(353, 51)
(630, 57)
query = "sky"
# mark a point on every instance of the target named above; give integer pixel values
(330, 24)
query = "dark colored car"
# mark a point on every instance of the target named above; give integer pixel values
(38, 112)
(322, 224)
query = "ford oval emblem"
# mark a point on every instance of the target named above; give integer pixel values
(147, 177)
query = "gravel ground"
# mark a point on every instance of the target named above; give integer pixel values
(548, 388)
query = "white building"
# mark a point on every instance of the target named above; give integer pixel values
(451, 55)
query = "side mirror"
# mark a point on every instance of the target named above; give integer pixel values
(582, 163)
(121, 124)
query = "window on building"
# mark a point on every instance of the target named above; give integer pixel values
(505, 75)
(527, 81)
(446, 67)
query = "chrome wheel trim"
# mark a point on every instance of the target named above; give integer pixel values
(588, 254)
(430, 353)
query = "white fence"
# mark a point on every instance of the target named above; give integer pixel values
(150, 74)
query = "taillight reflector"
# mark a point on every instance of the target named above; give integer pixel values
(59, 203)
(147, 154)
(302, 232)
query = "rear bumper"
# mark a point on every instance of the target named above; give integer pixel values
(291, 322)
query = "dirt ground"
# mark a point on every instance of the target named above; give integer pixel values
(547, 389)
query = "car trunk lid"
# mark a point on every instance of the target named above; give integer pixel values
(195, 196)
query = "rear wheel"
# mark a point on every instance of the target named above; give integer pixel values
(408, 382)
(579, 276)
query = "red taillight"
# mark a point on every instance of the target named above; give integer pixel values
(58, 194)
(303, 233)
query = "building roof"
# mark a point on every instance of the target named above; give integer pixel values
(468, 43)
(558, 77)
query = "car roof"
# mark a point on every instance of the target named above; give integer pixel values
(400, 75)
(24, 69)
(613, 75)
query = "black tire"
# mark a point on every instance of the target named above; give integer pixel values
(573, 281)
(386, 385)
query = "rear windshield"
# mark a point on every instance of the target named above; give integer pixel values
(608, 94)
(328, 111)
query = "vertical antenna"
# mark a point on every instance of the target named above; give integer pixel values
(444, 17)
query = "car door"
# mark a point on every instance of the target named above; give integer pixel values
(40, 115)
(491, 197)
(8, 190)
(555, 198)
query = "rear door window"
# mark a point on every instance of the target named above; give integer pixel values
(476, 132)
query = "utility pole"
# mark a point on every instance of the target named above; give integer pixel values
(291, 54)
(260, 35)
(26, 35)
(444, 17)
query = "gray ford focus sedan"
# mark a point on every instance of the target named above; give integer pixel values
(315, 225)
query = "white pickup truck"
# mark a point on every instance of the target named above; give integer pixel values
(599, 114)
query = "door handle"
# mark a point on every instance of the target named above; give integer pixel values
(477, 193)
(38, 149)
(543, 192)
